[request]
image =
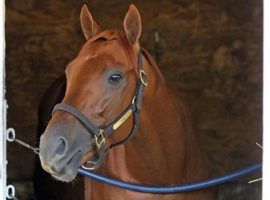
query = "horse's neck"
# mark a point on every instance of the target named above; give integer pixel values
(157, 153)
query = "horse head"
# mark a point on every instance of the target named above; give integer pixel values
(101, 83)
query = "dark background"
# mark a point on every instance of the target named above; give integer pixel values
(211, 50)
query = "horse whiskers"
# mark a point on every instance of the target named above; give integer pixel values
(56, 179)
(64, 180)
(75, 181)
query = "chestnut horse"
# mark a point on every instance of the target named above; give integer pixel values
(114, 85)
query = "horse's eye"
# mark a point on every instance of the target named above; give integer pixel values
(115, 78)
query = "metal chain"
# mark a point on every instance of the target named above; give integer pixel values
(11, 137)
(35, 149)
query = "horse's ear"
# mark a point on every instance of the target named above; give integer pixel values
(89, 26)
(133, 26)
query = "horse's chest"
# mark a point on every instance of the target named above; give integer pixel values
(104, 192)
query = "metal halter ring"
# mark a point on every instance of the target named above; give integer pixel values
(143, 77)
(100, 139)
(10, 192)
(133, 99)
(11, 135)
(89, 165)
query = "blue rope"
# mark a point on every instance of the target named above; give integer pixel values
(171, 189)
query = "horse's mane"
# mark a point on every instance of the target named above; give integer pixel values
(151, 61)
(106, 35)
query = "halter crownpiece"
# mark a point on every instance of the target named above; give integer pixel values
(101, 133)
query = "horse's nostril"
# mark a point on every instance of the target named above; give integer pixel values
(61, 147)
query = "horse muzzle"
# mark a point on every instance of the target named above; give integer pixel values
(61, 154)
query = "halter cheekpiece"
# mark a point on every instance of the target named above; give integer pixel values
(101, 133)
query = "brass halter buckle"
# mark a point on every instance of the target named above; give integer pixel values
(143, 77)
(100, 139)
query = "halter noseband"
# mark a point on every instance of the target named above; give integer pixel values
(101, 133)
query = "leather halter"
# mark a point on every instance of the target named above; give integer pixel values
(101, 133)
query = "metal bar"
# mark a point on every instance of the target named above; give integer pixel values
(255, 180)
(3, 104)
(266, 100)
